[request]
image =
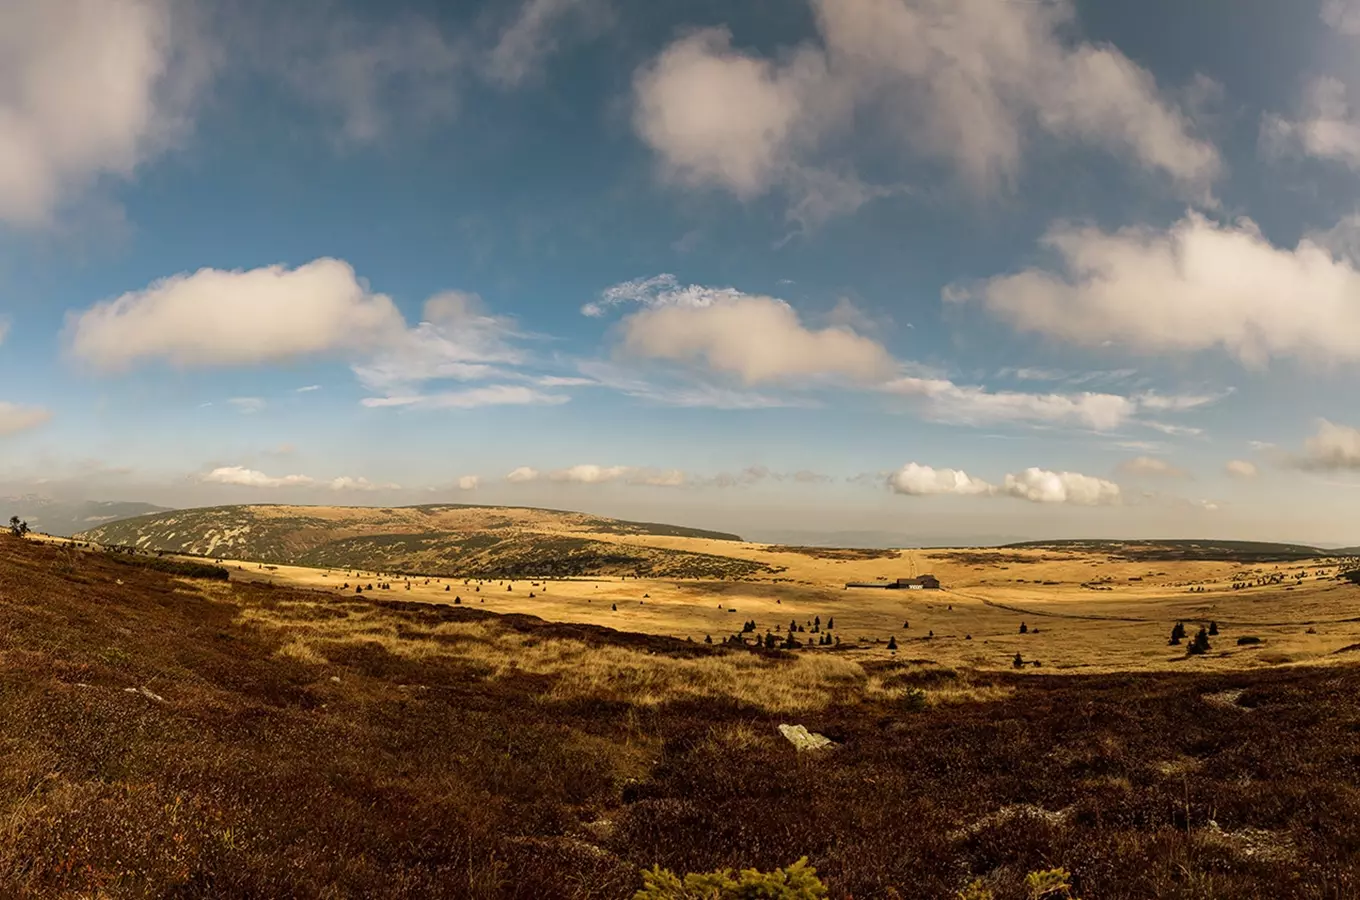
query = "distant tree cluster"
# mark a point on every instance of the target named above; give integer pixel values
(1199, 644)
(17, 527)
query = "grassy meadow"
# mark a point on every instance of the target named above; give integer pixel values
(174, 736)
(1082, 611)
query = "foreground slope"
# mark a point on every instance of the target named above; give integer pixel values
(436, 539)
(175, 738)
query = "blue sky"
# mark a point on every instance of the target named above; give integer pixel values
(944, 270)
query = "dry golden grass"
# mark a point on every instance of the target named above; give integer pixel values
(973, 624)
(580, 671)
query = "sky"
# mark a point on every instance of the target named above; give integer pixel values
(945, 270)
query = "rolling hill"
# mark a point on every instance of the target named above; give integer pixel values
(1169, 550)
(445, 540)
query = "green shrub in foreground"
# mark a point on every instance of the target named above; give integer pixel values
(798, 882)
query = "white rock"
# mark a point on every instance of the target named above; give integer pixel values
(800, 737)
(145, 693)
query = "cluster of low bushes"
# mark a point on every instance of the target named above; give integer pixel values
(181, 567)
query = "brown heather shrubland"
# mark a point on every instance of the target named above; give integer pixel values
(161, 737)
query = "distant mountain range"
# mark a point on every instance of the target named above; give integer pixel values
(65, 518)
(877, 540)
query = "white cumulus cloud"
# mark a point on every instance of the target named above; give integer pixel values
(347, 483)
(1240, 468)
(239, 475)
(215, 317)
(919, 480)
(1033, 484)
(717, 115)
(967, 82)
(1343, 15)
(590, 474)
(469, 482)
(1331, 448)
(522, 475)
(1042, 486)
(1196, 286)
(87, 89)
(756, 339)
(1324, 126)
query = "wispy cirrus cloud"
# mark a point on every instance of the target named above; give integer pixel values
(590, 473)
(943, 400)
(948, 401)
(247, 405)
(1151, 466)
(539, 29)
(15, 418)
(663, 389)
(470, 398)
(756, 474)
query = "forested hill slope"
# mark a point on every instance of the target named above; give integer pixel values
(435, 539)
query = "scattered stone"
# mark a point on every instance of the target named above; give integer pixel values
(145, 693)
(1007, 815)
(335, 679)
(801, 738)
(1225, 699)
(1253, 843)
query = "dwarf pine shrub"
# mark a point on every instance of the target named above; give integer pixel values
(798, 882)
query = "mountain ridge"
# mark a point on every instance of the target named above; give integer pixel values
(429, 539)
(65, 518)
